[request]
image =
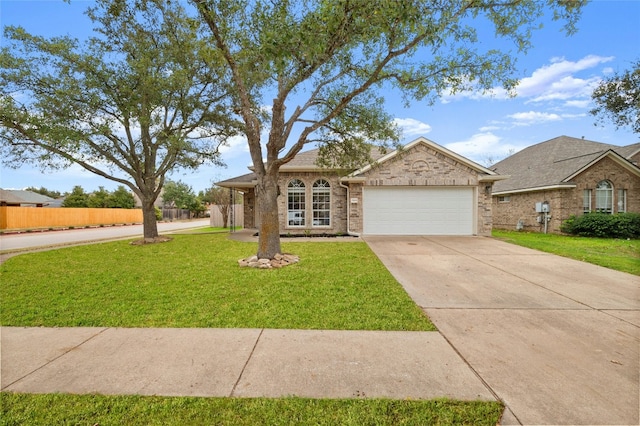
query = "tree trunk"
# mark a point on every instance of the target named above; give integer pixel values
(224, 211)
(267, 205)
(149, 222)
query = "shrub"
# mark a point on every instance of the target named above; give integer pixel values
(158, 214)
(600, 225)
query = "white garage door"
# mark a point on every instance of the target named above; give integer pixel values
(418, 211)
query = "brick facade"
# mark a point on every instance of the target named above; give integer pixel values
(419, 165)
(423, 166)
(567, 201)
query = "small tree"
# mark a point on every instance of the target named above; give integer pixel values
(99, 198)
(178, 195)
(77, 198)
(121, 199)
(221, 197)
(617, 99)
(142, 97)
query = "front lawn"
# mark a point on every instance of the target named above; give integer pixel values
(195, 281)
(621, 255)
(56, 409)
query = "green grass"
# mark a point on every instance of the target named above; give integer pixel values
(621, 255)
(206, 229)
(195, 281)
(23, 409)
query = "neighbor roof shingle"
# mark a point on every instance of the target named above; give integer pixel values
(550, 163)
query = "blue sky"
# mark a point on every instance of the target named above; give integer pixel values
(553, 99)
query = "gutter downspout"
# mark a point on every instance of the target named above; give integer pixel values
(349, 232)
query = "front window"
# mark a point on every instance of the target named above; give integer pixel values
(321, 203)
(295, 203)
(586, 201)
(604, 197)
(622, 200)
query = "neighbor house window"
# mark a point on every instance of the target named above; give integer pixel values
(622, 200)
(321, 203)
(504, 199)
(586, 201)
(295, 203)
(604, 197)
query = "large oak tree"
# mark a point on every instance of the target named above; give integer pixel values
(312, 71)
(140, 98)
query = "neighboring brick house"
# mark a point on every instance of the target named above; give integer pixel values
(572, 176)
(421, 189)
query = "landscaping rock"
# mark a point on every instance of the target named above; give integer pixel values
(278, 261)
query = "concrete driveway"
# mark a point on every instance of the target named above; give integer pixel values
(556, 340)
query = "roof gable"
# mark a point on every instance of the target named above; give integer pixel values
(612, 155)
(424, 141)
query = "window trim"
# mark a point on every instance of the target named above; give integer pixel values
(297, 189)
(324, 191)
(587, 195)
(607, 194)
(622, 201)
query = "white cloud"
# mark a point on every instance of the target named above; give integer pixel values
(484, 148)
(489, 128)
(533, 117)
(235, 145)
(555, 81)
(578, 103)
(412, 127)
(477, 147)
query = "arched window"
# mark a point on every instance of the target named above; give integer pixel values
(604, 197)
(296, 203)
(321, 203)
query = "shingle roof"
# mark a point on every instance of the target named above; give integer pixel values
(14, 196)
(550, 163)
(302, 161)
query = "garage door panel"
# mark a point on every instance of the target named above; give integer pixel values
(418, 211)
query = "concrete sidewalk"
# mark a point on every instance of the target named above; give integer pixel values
(236, 363)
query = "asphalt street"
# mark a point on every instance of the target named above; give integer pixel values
(34, 240)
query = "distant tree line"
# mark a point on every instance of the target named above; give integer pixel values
(121, 198)
(177, 195)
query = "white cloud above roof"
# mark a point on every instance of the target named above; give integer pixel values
(412, 127)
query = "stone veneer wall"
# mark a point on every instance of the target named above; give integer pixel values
(566, 202)
(423, 166)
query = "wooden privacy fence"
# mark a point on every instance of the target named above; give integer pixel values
(216, 217)
(38, 217)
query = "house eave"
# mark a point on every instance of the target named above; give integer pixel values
(493, 178)
(352, 179)
(534, 189)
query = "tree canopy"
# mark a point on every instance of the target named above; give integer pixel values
(314, 71)
(140, 98)
(617, 99)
